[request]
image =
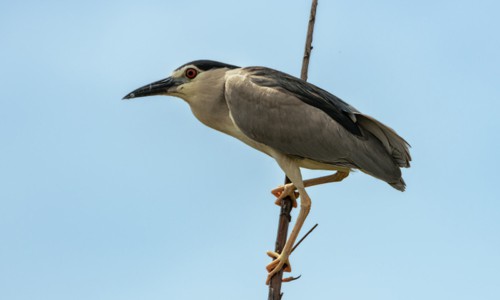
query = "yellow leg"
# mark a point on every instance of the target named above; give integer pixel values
(292, 170)
(336, 177)
(284, 190)
(281, 259)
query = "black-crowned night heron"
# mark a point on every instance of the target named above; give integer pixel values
(293, 121)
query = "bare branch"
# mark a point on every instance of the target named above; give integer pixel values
(309, 38)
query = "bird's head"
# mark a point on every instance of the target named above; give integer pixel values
(186, 81)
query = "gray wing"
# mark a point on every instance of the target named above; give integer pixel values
(274, 115)
(333, 106)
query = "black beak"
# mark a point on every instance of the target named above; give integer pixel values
(160, 87)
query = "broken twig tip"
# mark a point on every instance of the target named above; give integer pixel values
(291, 278)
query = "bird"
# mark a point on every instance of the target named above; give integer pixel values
(293, 121)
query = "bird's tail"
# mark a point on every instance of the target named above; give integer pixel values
(395, 145)
(399, 185)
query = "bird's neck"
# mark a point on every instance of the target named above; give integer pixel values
(208, 104)
(211, 114)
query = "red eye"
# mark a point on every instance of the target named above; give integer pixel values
(191, 73)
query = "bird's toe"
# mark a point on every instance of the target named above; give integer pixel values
(280, 262)
(287, 190)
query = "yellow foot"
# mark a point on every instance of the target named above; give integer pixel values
(283, 191)
(280, 262)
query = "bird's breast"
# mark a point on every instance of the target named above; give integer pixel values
(219, 118)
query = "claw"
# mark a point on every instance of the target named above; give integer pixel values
(276, 256)
(279, 262)
(284, 191)
(279, 190)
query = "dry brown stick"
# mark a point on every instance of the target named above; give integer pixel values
(284, 221)
(286, 205)
(309, 39)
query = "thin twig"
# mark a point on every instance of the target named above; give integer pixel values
(291, 278)
(310, 230)
(309, 39)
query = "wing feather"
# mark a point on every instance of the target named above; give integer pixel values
(333, 106)
(277, 118)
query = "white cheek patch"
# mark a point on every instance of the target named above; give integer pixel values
(178, 73)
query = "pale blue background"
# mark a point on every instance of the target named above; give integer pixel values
(107, 199)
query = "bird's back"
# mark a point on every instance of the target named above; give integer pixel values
(323, 128)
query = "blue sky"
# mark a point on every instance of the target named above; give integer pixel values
(108, 199)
